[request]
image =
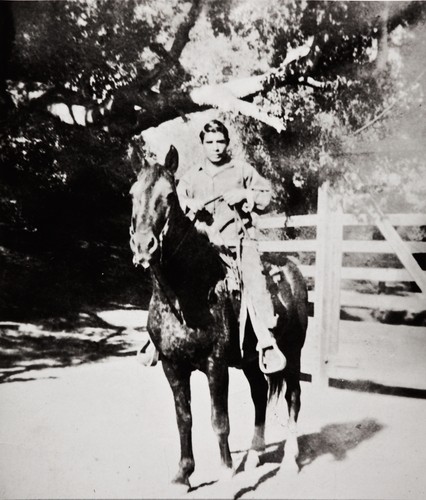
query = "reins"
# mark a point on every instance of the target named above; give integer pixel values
(180, 242)
(193, 220)
(177, 312)
(174, 309)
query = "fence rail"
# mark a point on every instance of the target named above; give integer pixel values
(348, 246)
(412, 303)
(334, 336)
(365, 273)
(282, 221)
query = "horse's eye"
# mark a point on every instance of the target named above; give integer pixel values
(158, 203)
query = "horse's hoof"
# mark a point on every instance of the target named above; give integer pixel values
(178, 490)
(289, 467)
(252, 460)
(226, 473)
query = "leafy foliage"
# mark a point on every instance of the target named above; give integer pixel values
(93, 46)
(64, 183)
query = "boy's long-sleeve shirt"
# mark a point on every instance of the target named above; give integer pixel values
(218, 218)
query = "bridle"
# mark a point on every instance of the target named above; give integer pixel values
(157, 240)
(158, 244)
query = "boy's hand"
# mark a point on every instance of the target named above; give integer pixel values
(195, 205)
(235, 196)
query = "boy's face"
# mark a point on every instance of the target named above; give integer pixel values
(215, 147)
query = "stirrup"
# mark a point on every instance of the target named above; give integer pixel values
(148, 355)
(275, 363)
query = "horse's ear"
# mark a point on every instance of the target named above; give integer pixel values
(137, 157)
(171, 162)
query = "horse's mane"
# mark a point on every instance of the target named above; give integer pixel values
(191, 264)
(187, 262)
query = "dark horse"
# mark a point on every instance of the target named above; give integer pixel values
(193, 324)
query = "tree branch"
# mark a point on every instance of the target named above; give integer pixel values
(171, 58)
(386, 110)
(7, 36)
(375, 119)
(132, 109)
(382, 42)
(244, 87)
(182, 33)
(221, 97)
(411, 14)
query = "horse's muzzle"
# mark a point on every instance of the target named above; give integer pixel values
(139, 262)
(143, 247)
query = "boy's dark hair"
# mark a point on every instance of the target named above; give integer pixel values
(214, 126)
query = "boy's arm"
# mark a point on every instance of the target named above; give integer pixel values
(188, 203)
(259, 189)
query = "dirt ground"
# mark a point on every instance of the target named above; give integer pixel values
(107, 430)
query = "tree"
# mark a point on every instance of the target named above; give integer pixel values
(81, 80)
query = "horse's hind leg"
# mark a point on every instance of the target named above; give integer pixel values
(180, 385)
(218, 379)
(259, 394)
(292, 396)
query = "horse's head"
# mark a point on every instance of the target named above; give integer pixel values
(152, 195)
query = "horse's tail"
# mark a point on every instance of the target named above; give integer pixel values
(276, 384)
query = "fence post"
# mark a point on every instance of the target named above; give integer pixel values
(327, 279)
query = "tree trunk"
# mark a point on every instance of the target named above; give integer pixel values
(382, 43)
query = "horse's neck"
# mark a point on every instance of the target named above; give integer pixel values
(188, 258)
(188, 271)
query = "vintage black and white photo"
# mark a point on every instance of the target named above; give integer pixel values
(212, 249)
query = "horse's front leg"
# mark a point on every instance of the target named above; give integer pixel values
(218, 378)
(178, 378)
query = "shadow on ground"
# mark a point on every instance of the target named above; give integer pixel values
(52, 289)
(334, 439)
(60, 342)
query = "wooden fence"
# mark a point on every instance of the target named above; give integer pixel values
(383, 353)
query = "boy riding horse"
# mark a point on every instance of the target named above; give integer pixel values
(220, 196)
